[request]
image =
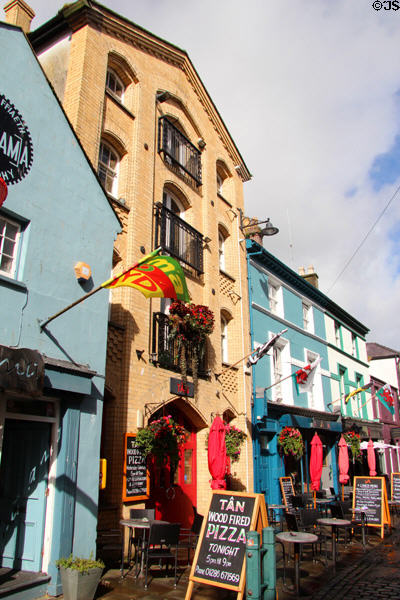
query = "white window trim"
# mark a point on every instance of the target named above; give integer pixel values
(119, 80)
(283, 393)
(108, 169)
(309, 320)
(14, 268)
(221, 250)
(278, 309)
(224, 340)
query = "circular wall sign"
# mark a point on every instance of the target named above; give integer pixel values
(16, 153)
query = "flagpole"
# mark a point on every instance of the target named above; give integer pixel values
(100, 287)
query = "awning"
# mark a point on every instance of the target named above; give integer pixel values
(366, 429)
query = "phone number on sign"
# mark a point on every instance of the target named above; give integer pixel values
(222, 575)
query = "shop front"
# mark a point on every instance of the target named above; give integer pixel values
(271, 463)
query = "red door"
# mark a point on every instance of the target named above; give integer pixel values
(176, 500)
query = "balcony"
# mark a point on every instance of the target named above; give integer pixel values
(178, 238)
(167, 349)
(178, 151)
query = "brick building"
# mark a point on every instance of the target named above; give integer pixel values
(175, 178)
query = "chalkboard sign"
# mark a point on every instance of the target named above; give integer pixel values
(287, 490)
(136, 477)
(396, 487)
(370, 496)
(220, 554)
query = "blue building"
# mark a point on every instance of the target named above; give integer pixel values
(57, 230)
(280, 299)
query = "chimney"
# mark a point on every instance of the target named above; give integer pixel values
(310, 276)
(19, 13)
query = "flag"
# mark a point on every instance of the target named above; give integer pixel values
(155, 276)
(3, 191)
(357, 391)
(304, 377)
(385, 396)
(263, 349)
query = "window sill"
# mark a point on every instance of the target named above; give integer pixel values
(118, 102)
(13, 283)
(229, 366)
(227, 275)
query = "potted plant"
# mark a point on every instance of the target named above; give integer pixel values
(79, 577)
(234, 438)
(190, 324)
(162, 439)
(291, 442)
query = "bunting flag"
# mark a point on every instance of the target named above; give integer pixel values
(155, 276)
(304, 377)
(357, 391)
(385, 396)
(263, 349)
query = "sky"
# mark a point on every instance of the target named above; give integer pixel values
(310, 92)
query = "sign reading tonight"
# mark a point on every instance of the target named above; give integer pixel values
(16, 153)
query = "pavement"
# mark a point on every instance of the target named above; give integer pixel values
(370, 574)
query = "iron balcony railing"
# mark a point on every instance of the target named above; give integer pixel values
(178, 150)
(178, 238)
(166, 349)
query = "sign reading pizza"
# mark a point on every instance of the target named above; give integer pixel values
(16, 153)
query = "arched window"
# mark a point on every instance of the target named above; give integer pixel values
(224, 339)
(114, 84)
(108, 168)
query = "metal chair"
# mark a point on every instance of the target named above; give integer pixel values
(188, 537)
(162, 546)
(136, 538)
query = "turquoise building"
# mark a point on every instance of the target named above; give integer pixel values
(283, 301)
(57, 231)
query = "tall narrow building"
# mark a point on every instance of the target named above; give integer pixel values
(175, 177)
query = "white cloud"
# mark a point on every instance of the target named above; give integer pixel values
(308, 92)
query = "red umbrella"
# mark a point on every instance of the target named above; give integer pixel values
(343, 463)
(316, 464)
(217, 454)
(371, 458)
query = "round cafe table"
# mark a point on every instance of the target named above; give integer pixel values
(334, 523)
(297, 538)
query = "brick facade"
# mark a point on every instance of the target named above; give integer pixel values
(147, 65)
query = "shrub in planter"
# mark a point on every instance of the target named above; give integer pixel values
(79, 577)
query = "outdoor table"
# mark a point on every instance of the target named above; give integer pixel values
(131, 525)
(297, 538)
(334, 523)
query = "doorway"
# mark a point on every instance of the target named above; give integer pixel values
(23, 483)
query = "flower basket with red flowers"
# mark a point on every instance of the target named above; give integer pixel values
(190, 324)
(352, 439)
(234, 438)
(291, 442)
(162, 439)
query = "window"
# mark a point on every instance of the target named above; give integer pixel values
(275, 298)
(224, 339)
(338, 335)
(115, 85)
(9, 241)
(354, 345)
(280, 365)
(178, 151)
(308, 321)
(108, 168)
(221, 251)
(220, 183)
(315, 395)
(278, 375)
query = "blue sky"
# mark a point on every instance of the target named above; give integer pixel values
(310, 94)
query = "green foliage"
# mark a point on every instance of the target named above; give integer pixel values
(234, 438)
(83, 565)
(352, 439)
(162, 439)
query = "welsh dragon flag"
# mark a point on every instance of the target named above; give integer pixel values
(385, 396)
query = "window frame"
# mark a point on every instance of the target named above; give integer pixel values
(276, 302)
(108, 170)
(22, 225)
(12, 274)
(308, 317)
(224, 340)
(111, 72)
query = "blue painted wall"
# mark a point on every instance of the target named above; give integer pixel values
(68, 219)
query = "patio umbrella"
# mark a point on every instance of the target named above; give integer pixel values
(316, 464)
(343, 463)
(371, 458)
(217, 454)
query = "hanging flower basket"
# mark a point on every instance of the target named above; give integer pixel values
(291, 442)
(162, 439)
(190, 324)
(234, 439)
(352, 439)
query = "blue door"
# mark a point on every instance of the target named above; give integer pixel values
(23, 483)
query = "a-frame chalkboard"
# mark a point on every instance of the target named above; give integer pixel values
(395, 487)
(220, 553)
(287, 490)
(370, 496)
(135, 476)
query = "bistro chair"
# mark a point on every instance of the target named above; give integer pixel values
(272, 520)
(136, 537)
(188, 537)
(343, 510)
(162, 546)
